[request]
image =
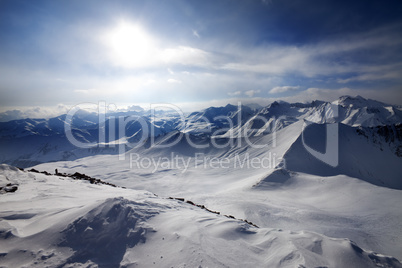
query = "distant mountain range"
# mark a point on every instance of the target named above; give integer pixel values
(27, 142)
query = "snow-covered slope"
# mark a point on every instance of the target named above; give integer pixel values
(353, 111)
(30, 141)
(53, 221)
(213, 119)
(270, 119)
(255, 167)
(225, 179)
(357, 111)
(370, 154)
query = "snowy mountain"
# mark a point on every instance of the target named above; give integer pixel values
(216, 119)
(357, 111)
(370, 154)
(285, 197)
(30, 141)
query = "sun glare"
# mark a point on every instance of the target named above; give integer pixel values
(130, 45)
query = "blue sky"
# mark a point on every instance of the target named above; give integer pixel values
(198, 53)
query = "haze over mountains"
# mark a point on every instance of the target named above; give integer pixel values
(283, 199)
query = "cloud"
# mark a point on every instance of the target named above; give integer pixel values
(283, 89)
(195, 33)
(131, 46)
(338, 56)
(235, 93)
(251, 93)
(210, 69)
(307, 60)
(83, 91)
(149, 82)
(173, 81)
(33, 112)
(381, 72)
(391, 96)
(371, 77)
(135, 108)
(185, 55)
(273, 60)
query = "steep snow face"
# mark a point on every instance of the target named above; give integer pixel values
(56, 222)
(363, 153)
(381, 136)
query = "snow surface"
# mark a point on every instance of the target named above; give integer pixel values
(307, 211)
(54, 221)
(351, 201)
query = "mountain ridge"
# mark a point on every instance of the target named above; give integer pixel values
(29, 141)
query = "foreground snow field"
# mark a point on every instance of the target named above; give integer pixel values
(53, 221)
(354, 200)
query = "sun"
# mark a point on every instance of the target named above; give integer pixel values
(131, 45)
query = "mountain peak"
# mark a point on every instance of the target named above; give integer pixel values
(346, 98)
(278, 103)
(358, 101)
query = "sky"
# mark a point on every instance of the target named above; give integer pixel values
(198, 53)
